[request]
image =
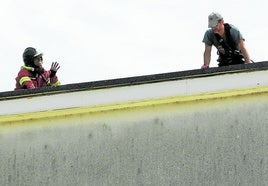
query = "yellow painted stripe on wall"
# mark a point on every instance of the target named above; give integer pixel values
(8, 119)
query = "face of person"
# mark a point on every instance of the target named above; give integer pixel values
(218, 28)
(38, 61)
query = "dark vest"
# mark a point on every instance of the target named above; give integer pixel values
(230, 55)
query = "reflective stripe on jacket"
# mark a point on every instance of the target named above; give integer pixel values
(27, 78)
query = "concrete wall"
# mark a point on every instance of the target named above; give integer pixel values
(221, 141)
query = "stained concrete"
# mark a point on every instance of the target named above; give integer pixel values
(213, 142)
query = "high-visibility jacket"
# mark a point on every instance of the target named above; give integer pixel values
(27, 78)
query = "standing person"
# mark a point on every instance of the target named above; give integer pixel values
(227, 39)
(32, 74)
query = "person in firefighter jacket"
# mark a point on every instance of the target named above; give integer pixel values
(33, 75)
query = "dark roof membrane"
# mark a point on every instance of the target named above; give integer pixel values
(136, 80)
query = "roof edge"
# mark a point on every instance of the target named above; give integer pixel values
(136, 80)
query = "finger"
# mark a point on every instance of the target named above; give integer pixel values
(56, 64)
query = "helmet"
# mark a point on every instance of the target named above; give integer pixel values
(29, 54)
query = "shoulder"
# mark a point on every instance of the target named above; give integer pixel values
(209, 37)
(235, 32)
(24, 72)
(209, 32)
(233, 28)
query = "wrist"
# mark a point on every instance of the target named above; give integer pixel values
(52, 73)
(205, 66)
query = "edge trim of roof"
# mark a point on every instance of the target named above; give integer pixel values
(58, 113)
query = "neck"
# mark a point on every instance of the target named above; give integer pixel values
(221, 31)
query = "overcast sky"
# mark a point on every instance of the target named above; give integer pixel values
(106, 39)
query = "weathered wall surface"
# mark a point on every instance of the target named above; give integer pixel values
(210, 142)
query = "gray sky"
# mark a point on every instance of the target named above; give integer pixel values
(106, 39)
